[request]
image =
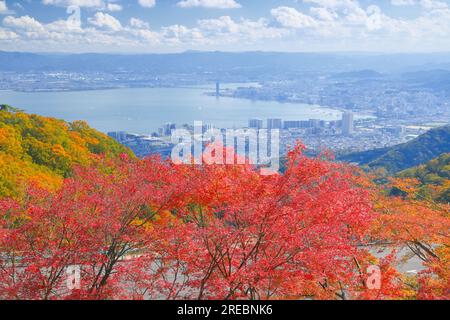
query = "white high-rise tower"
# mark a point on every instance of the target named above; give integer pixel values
(347, 123)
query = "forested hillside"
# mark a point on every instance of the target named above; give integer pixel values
(225, 231)
(413, 153)
(434, 177)
(35, 149)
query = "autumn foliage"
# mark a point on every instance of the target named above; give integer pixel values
(422, 226)
(150, 229)
(40, 150)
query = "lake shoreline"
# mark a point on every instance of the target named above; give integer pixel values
(144, 110)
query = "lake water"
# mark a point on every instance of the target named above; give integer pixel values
(144, 110)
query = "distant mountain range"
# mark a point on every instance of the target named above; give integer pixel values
(193, 61)
(438, 80)
(413, 153)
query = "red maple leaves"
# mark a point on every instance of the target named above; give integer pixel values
(153, 230)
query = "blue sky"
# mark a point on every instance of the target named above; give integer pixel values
(137, 26)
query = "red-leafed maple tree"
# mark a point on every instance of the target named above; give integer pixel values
(154, 230)
(422, 226)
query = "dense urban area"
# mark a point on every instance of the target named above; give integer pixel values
(384, 100)
(371, 118)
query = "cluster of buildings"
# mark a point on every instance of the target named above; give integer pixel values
(342, 136)
(160, 142)
(346, 126)
(389, 97)
(143, 145)
(59, 81)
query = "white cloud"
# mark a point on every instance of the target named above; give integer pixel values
(7, 35)
(403, 2)
(147, 3)
(138, 24)
(104, 34)
(176, 35)
(28, 28)
(222, 24)
(24, 23)
(291, 18)
(3, 7)
(89, 4)
(321, 25)
(433, 4)
(335, 4)
(78, 3)
(225, 29)
(113, 7)
(105, 21)
(216, 4)
(323, 14)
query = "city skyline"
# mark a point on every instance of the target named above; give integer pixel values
(145, 26)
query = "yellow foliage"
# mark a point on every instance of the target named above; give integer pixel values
(42, 151)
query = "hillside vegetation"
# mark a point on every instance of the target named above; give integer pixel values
(40, 150)
(225, 231)
(434, 177)
(413, 153)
